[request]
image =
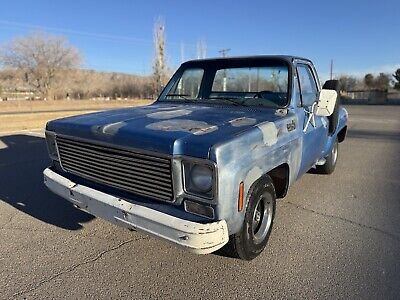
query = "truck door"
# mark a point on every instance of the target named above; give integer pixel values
(314, 128)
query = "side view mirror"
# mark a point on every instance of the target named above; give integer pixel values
(326, 103)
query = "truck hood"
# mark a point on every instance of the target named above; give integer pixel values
(175, 129)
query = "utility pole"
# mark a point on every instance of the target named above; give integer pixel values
(331, 69)
(224, 52)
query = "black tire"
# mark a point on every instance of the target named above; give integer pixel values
(251, 240)
(331, 160)
(334, 118)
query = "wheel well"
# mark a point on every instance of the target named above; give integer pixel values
(280, 178)
(342, 134)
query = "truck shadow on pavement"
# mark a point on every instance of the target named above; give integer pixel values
(374, 135)
(22, 161)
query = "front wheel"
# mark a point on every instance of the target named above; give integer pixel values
(251, 240)
(329, 166)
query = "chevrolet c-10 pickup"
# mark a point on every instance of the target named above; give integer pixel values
(203, 165)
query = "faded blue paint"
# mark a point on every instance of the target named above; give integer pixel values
(243, 142)
(142, 127)
(314, 139)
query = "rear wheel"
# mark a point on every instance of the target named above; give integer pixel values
(251, 240)
(331, 160)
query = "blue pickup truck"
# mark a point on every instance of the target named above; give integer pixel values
(203, 165)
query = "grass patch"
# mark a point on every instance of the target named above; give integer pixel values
(23, 115)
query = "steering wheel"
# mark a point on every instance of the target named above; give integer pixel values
(263, 94)
(277, 98)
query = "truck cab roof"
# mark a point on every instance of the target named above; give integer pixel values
(245, 59)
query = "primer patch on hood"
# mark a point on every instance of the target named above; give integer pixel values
(109, 129)
(243, 121)
(270, 133)
(162, 115)
(3, 145)
(191, 126)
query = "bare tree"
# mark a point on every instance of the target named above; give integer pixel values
(396, 77)
(42, 58)
(347, 83)
(369, 80)
(159, 64)
(382, 81)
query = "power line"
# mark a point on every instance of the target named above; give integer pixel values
(96, 35)
(101, 36)
(224, 52)
(108, 38)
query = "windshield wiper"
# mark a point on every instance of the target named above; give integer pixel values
(184, 96)
(230, 100)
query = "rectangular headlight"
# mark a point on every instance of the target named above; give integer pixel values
(199, 179)
(51, 145)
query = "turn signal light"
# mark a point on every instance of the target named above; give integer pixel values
(240, 199)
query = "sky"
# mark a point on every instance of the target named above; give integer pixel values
(359, 36)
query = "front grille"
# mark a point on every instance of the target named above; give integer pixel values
(138, 173)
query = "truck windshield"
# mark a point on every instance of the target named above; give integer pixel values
(248, 86)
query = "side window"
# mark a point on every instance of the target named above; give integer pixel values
(189, 83)
(307, 84)
(297, 90)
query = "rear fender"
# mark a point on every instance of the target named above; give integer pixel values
(339, 133)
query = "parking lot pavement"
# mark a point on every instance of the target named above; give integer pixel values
(334, 236)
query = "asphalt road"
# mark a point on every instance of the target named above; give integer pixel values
(335, 236)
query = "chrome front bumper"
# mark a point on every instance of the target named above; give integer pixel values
(195, 237)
